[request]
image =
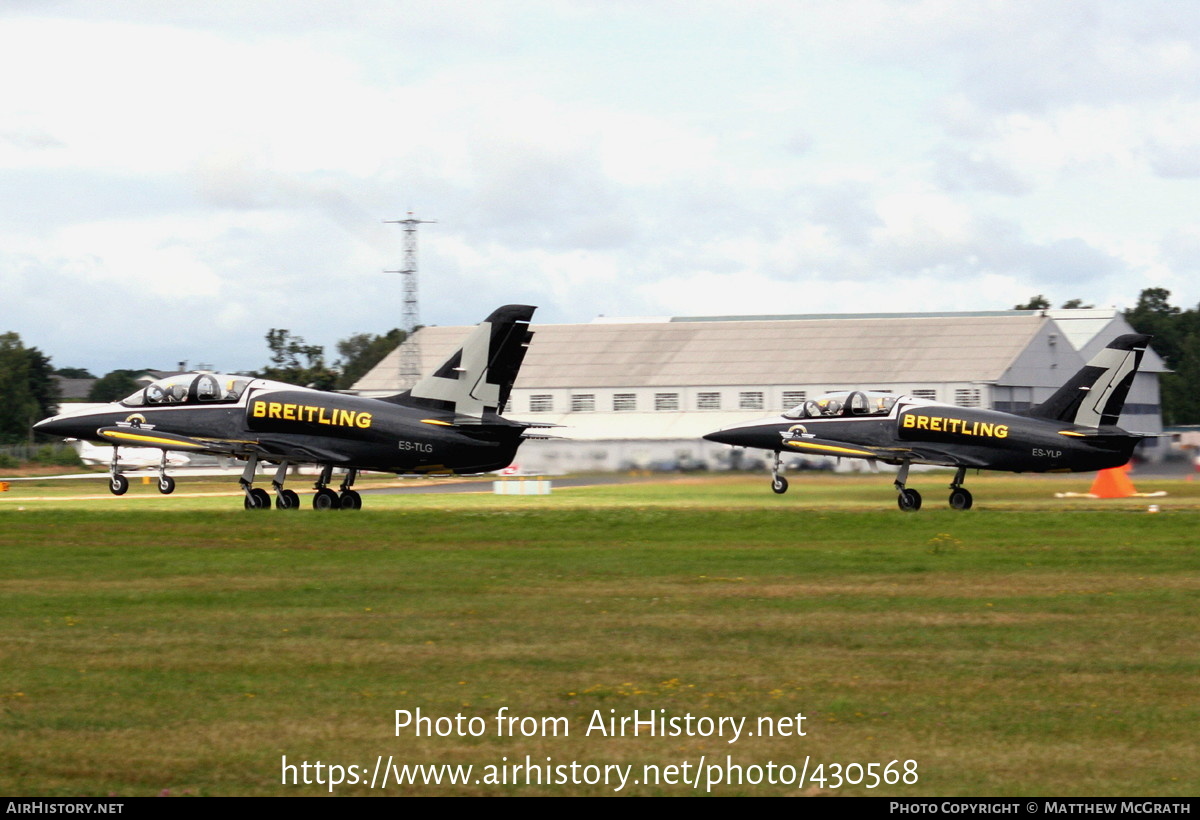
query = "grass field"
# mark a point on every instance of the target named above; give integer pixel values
(1032, 646)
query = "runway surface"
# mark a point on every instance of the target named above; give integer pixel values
(484, 485)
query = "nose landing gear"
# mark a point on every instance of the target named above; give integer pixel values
(166, 484)
(117, 483)
(779, 484)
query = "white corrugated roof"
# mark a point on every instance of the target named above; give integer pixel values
(944, 348)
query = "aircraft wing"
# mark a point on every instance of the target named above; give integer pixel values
(811, 445)
(496, 423)
(291, 451)
(265, 447)
(140, 437)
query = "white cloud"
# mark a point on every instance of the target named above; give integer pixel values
(236, 163)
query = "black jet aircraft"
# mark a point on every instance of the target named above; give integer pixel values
(449, 422)
(1072, 431)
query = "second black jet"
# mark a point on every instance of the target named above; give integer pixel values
(1075, 430)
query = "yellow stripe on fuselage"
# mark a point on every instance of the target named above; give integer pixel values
(153, 440)
(829, 448)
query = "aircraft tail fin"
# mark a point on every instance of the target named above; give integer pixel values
(477, 380)
(1094, 396)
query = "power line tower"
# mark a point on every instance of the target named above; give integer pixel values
(410, 353)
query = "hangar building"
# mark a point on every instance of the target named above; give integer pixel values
(640, 393)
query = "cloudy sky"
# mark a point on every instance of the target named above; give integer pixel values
(178, 177)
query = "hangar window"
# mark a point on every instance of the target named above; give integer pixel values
(583, 402)
(967, 397)
(708, 401)
(666, 401)
(750, 400)
(541, 403)
(793, 397)
(927, 395)
(624, 401)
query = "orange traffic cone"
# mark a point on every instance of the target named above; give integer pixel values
(1113, 483)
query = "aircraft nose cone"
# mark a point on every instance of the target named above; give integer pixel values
(55, 426)
(723, 436)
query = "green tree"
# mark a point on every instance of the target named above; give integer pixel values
(115, 385)
(27, 393)
(362, 351)
(1176, 335)
(1038, 302)
(1181, 389)
(1154, 314)
(74, 373)
(296, 362)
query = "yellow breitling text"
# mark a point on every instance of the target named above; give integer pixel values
(310, 414)
(962, 427)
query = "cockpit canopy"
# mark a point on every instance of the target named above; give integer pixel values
(190, 388)
(851, 403)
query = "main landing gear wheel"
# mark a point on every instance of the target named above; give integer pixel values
(779, 484)
(258, 499)
(960, 496)
(351, 500)
(909, 500)
(326, 499)
(166, 485)
(287, 500)
(118, 485)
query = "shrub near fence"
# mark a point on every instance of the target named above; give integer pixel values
(61, 455)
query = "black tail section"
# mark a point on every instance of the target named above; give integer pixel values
(1094, 396)
(477, 380)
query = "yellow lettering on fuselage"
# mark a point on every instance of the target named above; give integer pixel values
(962, 427)
(310, 413)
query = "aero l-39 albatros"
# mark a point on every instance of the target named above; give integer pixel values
(1072, 431)
(449, 422)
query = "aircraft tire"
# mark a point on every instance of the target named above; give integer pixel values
(779, 485)
(287, 500)
(351, 500)
(961, 499)
(258, 499)
(326, 499)
(909, 500)
(166, 485)
(118, 485)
